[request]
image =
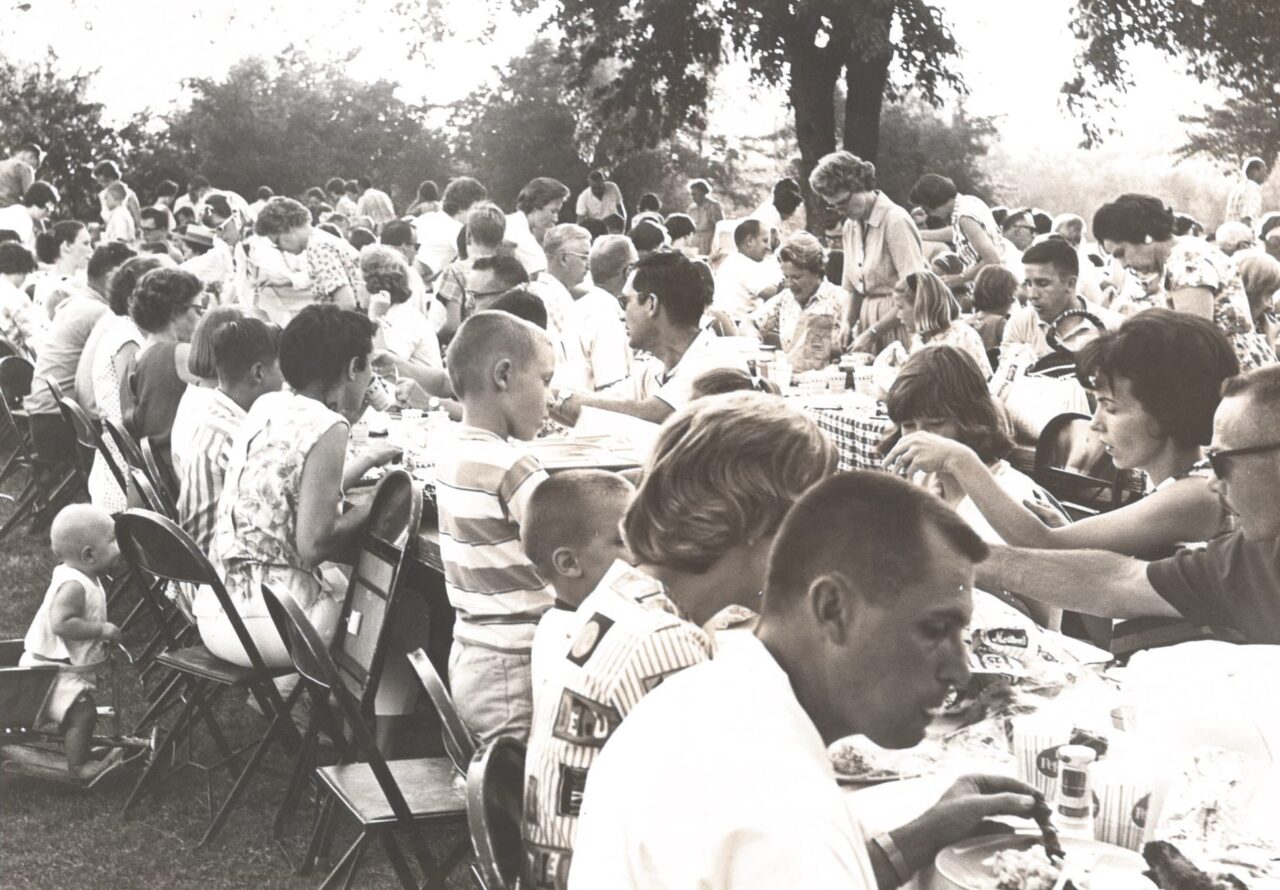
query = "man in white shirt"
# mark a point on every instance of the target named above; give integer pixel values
(438, 230)
(567, 247)
(749, 276)
(600, 199)
(197, 189)
(1244, 203)
(596, 350)
(37, 203)
(720, 778)
(664, 301)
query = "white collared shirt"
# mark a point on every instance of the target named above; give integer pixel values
(718, 779)
(675, 387)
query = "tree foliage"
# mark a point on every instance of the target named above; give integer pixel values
(1241, 127)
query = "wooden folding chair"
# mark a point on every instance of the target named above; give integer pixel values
(156, 546)
(495, 811)
(459, 743)
(391, 800)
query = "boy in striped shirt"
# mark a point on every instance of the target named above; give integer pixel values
(500, 368)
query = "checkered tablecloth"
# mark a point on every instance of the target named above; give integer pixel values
(856, 432)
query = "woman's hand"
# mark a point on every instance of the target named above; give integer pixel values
(926, 453)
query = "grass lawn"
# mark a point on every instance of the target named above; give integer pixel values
(56, 836)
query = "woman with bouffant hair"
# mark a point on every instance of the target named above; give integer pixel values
(880, 241)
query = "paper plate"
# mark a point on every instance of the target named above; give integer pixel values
(961, 865)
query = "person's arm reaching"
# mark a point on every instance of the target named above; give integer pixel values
(652, 409)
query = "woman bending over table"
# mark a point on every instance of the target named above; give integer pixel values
(279, 519)
(1157, 380)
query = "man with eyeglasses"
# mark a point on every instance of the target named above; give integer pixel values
(491, 277)
(1231, 586)
(567, 247)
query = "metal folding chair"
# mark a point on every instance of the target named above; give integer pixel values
(49, 484)
(495, 810)
(159, 473)
(156, 546)
(459, 743)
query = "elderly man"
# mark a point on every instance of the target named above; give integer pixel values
(700, 540)
(1233, 585)
(18, 173)
(862, 631)
(663, 300)
(596, 350)
(567, 248)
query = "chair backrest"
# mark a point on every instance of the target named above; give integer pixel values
(155, 500)
(15, 378)
(495, 811)
(55, 388)
(157, 545)
(7, 349)
(1099, 489)
(125, 443)
(162, 480)
(359, 650)
(459, 744)
(88, 438)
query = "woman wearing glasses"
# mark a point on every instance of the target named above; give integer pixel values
(1157, 381)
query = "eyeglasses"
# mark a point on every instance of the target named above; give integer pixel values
(1218, 457)
(1027, 226)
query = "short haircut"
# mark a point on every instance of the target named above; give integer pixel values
(700, 185)
(353, 187)
(507, 271)
(462, 194)
(160, 296)
(539, 192)
(167, 189)
(596, 176)
(107, 168)
(184, 215)
(723, 472)
(746, 230)
(116, 190)
(649, 201)
(428, 191)
(331, 229)
(942, 382)
(673, 279)
(523, 304)
(30, 148)
(198, 182)
(1021, 213)
(868, 526)
(200, 360)
(280, 215)
(932, 190)
(125, 278)
(320, 343)
(10, 235)
(1186, 224)
(107, 257)
(336, 184)
(559, 236)
(1133, 218)
(564, 511)
(610, 256)
(596, 227)
(265, 193)
(157, 216)
(384, 269)
(49, 244)
(398, 233)
(841, 171)
(1261, 386)
(718, 381)
(1175, 363)
(1043, 221)
(805, 252)
(931, 303)
(486, 224)
(16, 259)
(994, 289)
(1065, 222)
(1270, 221)
(219, 205)
(1054, 252)
(40, 194)
(315, 193)
(614, 224)
(646, 235)
(361, 237)
(1254, 164)
(949, 263)
(239, 345)
(680, 225)
(483, 339)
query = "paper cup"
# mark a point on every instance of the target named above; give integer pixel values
(1128, 801)
(1036, 739)
(864, 380)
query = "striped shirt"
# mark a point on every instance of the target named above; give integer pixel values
(626, 641)
(205, 467)
(483, 485)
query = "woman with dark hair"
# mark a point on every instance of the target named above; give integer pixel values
(110, 360)
(1139, 231)
(279, 518)
(66, 247)
(681, 228)
(18, 322)
(428, 199)
(1157, 380)
(166, 305)
(537, 209)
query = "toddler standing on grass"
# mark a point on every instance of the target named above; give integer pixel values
(71, 627)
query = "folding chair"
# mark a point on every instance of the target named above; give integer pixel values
(459, 743)
(90, 440)
(49, 484)
(131, 451)
(154, 499)
(495, 810)
(155, 545)
(1102, 488)
(390, 800)
(360, 648)
(161, 477)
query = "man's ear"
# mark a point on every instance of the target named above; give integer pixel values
(502, 374)
(565, 562)
(652, 306)
(835, 605)
(354, 367)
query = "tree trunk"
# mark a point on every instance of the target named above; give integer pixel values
(812, 93)
(865, 81)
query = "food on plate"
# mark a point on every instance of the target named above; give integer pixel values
(860, 759)
(1170, 870)
(1029, 869)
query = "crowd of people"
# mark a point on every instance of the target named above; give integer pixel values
(778, 604)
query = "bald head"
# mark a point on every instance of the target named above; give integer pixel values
(78, 527)
(610, 257)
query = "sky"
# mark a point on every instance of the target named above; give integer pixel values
(1016, 55)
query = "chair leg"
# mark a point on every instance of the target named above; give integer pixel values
(167, 743)
(398, 863)
(321, 835)
(346, 865)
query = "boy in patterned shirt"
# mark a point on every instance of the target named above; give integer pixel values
(500, 368)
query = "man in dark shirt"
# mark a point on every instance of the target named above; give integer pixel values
(1233, 584)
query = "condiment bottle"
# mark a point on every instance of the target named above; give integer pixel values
(1073, 808)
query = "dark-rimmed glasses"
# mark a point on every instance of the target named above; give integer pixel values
(1218, 457)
